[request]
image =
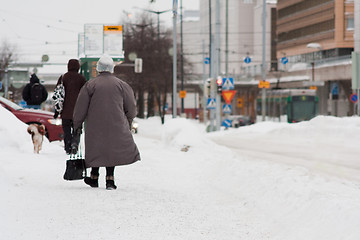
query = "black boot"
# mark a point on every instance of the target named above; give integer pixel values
(92, 181)
(75, 141)
(110, 185)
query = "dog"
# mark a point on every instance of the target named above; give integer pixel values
(37, 135)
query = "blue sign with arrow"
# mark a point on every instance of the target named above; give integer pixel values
(284, 60)
(226, 123)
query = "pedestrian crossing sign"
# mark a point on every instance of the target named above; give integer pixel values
(226, 108)
(211, 103)
(228, 84)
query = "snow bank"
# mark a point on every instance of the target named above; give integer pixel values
(13, 132)
(183, 132)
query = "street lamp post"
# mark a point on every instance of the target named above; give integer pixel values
(158, 17)
(319, 48)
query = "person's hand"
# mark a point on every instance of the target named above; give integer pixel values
(56, 114)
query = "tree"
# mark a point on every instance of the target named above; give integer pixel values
(7, 55)
(156, 79)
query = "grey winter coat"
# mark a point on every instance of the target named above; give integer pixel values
(107, 105)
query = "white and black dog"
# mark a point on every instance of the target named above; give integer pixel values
(37, 134)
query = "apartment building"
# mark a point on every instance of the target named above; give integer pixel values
(329, 23)
(319, 34)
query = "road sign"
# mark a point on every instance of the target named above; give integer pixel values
(211, 103)
(228, 83)
(264, 84)
(334, 90)
(228, 95)
(182, 94)
(247, 60)
(207, 60)
(353, 98)
(227, 108)
(113, 28)
(226, 123)
(0, 85)
(240, 102)
(284, 60)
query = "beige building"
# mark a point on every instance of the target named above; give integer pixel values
(319, 35)
(329, 23)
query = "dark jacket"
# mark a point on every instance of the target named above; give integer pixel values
(73, 82)
(107, 103)
(26, 94)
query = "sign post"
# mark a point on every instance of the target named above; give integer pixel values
(96, 41)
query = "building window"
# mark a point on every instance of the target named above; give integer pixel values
(350, 23)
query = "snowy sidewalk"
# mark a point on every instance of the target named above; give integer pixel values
(208, 192)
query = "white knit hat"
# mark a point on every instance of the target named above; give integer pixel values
(105, 64)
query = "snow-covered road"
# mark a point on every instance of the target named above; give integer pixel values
(326, 153)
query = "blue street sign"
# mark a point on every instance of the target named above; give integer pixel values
(226, 123)
(334, 89)
(0, 85)
(247, 60)
(227, 108)
(211, 103)
(228, 83)
(284, 60)
(207, 60)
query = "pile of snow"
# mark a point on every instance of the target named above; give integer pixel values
(13, 132)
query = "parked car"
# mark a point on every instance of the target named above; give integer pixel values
(53, 127)
(240, 120)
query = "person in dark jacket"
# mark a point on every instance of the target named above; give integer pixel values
(73, 82)
(108, 105)
(34, 93)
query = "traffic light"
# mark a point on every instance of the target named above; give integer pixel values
(219, 83)
(207, 87)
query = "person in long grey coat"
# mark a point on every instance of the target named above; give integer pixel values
(107, 105)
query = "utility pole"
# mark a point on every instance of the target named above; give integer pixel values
(181, 55)
(227, 38)
(263, 68)
(217, 71)
(357, 43)
(210, 41)
(175, 5)
(205, 96)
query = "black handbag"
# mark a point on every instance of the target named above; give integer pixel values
(75, 167)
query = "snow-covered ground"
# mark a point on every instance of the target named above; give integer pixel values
(265, 181)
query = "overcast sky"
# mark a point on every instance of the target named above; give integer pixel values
(40, 27)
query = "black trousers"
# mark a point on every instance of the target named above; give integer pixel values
(109, 171)
(68, 128)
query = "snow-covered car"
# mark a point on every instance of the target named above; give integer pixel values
(240, 120)
(53, 127)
